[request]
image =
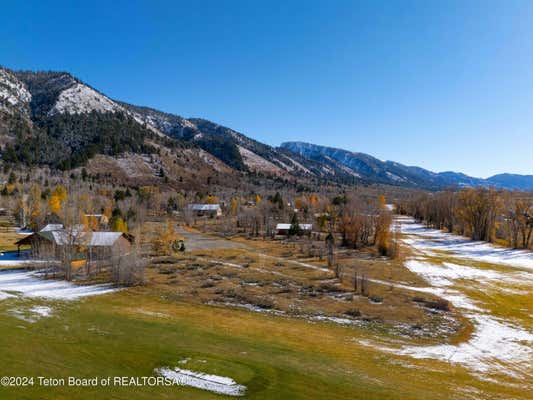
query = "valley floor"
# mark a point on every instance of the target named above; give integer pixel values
(287, 332)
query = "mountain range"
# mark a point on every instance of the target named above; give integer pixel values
(54, 119)
(389, 172)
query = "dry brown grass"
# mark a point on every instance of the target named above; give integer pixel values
(269, 275)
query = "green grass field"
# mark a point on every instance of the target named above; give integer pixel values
(134, 331)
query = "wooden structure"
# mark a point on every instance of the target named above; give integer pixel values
(53, 244)
(283, 229)
(206, 210)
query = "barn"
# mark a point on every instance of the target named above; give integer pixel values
(51, 243)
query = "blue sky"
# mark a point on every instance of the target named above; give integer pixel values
(446, 85)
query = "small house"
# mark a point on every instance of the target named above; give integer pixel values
(50, 244)
(206, 210)
(283, 229)
(105, 245)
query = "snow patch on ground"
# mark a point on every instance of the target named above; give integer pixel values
(294, 262)
(28, 284)
(227, 264)
(336, 320)
(213, 383)
(41, 311)
(496, 346)
(4, 296)
(33, 314)
(461, 247)
(153, 313)
(493, 346)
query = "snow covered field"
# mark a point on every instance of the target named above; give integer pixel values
(480, 280)
(29, 284)
(428, 240)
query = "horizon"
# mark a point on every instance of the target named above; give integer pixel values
(443, 87)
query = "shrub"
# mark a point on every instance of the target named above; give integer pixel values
(441, 305)
(328, 287)
(376, 299)
(207, 284)
(353, 312)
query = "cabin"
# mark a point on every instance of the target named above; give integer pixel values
(206, 210)
(283, 229)
(50, 243)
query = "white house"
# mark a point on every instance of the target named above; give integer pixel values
(211, 210)
(283, 229)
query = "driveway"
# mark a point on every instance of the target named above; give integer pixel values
(199, 241)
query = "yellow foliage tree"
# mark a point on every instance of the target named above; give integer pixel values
(383, 223)
(119, 225)
(166, 238)
(257, 199)
(382, 202)
(211, 199)
(54, 203)
(10, 188)
(61, 192)
(234, 206)
(108, 212)
(56, 200)
(34, 205)
(90, 222)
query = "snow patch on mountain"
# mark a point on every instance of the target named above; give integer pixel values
(395, 177)
(236, 136)
(163, 122)
(349, 171)
(80, 99)
(212, 161)
(257, 163)
(12, 91)
(299, 166)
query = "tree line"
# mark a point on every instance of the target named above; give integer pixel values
(480, 213)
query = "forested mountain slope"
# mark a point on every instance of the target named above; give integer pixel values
(54, 119)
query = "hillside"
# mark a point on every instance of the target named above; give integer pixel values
(512, 181)
(370, 169)
(233, 148)
(53, 119)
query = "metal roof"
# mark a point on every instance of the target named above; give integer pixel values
(104, 238)
(91, 239)
(305, 227)
(52, 227)
(204, 207)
